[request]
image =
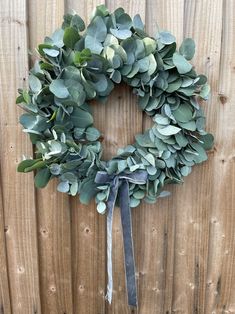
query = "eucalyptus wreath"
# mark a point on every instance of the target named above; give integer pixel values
(77, 64)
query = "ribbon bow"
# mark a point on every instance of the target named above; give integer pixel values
(120, 183)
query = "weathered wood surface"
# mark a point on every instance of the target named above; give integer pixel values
(53, 249)
(19, 203)
(53, 209)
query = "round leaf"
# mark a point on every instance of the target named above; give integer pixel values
(182, 65)
(92, 134)
(101, 207)
(71, 36)
(58, 88)
(187, 48)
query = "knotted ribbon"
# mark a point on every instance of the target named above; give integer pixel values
(120, 183)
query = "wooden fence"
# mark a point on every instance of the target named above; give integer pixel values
(52, 248)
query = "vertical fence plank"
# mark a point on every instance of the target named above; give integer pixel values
(18, 190)
(157, 222)
(88, 227)
(54, 233)
(5, 304)
(200, 225)
(123, 120)
(220, 294)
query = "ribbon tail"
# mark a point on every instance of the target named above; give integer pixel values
(128, 243)
(110, 206)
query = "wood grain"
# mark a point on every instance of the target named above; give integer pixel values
(5, 303)
(18, 189)
(54, 232)
(194, 200)
(88, 227)
(220, 293)
(157, 222)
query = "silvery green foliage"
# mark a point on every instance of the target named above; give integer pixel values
(78, 64)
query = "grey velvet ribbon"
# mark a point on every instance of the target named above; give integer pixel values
(120, 183)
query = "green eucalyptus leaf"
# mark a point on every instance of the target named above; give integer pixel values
(101, 207)
(191, 125)
(183, 113)
(55, 169)
(28, 165)
(201, 154)
(160, 119)
(168, 130)
(144, 140)
(182, 65)
(100, 10)
(28, 121)
(151, 170)
(97, 29)
(121, 33)
(42, 177)
(78, 132)
(152, 64)
(134, 167)
(57, 38)
(185, 171)
(92, 134)
(122, 165)
(88, 190)
(71, 36)
(143, 64)
(63, 187)
(74, 188)
(187, 48)
(124, 21)
(110, 40)
(94, 45)
(208, 141)
(101, 84)
(34, 83)
(139, 194)
(78, 23)
(81, 118)
(51, 52)
(181, 139)
(174, 86)
(134, 202)
(38, 165)
(202, 79)
(150, 45)
(150, 159)
(116, 76)
(58, 88)
(101, 196)
(82, 56)
(166, 38)
(205, 92)
(137, 21)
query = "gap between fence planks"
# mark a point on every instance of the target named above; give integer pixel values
(18, 190)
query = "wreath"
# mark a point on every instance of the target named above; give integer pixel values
(77, 64)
